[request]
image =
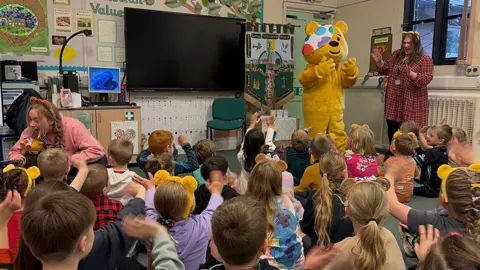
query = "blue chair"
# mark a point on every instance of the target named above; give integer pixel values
(228, 114)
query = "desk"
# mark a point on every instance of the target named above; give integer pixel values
(101, 117)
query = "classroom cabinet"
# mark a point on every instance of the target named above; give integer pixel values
(98, 120)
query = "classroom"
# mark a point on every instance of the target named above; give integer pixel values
(240, 134)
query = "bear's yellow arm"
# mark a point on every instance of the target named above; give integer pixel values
(309, 76)
(349, 81)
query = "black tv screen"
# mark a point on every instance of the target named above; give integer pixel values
(175, 51)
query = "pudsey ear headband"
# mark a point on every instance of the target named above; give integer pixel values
(32, 174)
(444, 172)
(415, 33)
(398, 134)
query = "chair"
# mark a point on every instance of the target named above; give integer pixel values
(228, 114)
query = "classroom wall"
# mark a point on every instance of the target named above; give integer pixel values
(365, 16)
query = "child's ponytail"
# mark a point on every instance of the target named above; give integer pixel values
(372, 247)
(368, 206)
(332, 165)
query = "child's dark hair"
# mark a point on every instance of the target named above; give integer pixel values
(252, 145)
(214, 163)
(204, 149)
(453, 252)
(97, 180)
(239, 228)
(66, 215)
(159, 162)
(15, 179)
(405, 145)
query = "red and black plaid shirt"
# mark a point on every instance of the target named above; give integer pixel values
(107, 210)
(409, 100)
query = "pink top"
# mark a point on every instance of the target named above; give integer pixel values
(361, 167)
(78, 141)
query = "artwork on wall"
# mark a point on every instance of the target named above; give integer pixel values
(24, 27)
(127, 130)
(269, 65)
(62, 20)
(242, 9)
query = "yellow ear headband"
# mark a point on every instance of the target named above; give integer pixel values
(188, 182)
(415, 33)
(398, 134)
(32, 173)
(445, 170)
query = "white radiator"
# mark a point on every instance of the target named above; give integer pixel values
(457, 112)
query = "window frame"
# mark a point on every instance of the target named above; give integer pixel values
(440, 28)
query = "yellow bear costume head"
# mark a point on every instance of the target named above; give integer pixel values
(32, 173)
(188, 182)
(325, 41)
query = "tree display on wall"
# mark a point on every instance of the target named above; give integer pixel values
(242, 9)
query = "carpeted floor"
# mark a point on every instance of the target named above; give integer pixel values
(390, 223)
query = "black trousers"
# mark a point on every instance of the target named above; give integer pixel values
(393, 127)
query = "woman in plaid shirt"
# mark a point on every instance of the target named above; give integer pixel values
(409, 71)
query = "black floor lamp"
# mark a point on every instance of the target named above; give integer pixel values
(70, 79)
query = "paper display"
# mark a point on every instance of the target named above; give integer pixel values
(84, 20)
(104, 54)
(119, 55)
(62, 20)
(127, 130)
(107, 31)
(61, 2)
(85, 118)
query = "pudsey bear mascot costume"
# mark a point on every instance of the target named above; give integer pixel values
(324, 78)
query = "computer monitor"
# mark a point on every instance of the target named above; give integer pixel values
(104, 80)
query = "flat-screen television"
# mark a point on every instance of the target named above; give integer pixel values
(176, 51)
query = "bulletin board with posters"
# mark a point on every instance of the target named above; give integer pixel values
(382, 41)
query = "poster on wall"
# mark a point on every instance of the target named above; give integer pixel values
(246, 9)
(84, 20)
(127, 130)
(269, 67)
(382, 42)
(62, 20)
(24, 28)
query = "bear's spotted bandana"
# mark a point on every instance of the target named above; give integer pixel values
(322, 36)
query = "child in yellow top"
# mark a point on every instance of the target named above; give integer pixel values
(311, 178)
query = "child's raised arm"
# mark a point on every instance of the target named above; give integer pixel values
(82, 173)
(150, 212)
(397, 209)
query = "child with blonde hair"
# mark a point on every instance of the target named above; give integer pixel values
(403, 148)
(373, 246)
(459, 137)
(324, 218)
(171, 204)
(285, 248)
(361, 154)
(53, 164)
(297, 155)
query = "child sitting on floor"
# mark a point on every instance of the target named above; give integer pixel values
(285, 247)
(213, 165)
(204, 149)
(96, 189)
(171, 206)
(434, 142)
(361, 154)
(324, 218)
(311, 178)
(297, 155)
(459, 137)
(120, 153)
(161, 141)
(403, 148)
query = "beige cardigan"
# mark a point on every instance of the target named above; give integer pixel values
(346, 259)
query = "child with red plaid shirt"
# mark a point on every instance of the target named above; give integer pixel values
(96, 188)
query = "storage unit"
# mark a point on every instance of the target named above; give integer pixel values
(99, 121)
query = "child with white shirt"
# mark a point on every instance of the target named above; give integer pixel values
(120, 153)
